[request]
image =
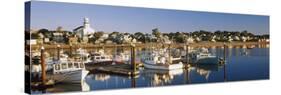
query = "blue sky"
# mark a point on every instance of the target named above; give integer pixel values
(50, 15)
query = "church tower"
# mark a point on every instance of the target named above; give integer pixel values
(86, 22)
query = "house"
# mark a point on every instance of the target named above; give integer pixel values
(58, 37)
(73, 40)
(31, 42)
(190, 40)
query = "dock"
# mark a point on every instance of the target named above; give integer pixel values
(117, 69)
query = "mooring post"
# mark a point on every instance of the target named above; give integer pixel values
(43, 66)
(133, 58)
(224, 73)
(186, 51)
(70, 47)
(169, 59)
(58, 52)
(224, 51)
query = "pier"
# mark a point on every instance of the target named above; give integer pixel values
(117, 69)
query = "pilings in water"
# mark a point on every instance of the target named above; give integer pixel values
(224, 60)
(169, 54)
(133, 58)
(224, 51)
(186, 55)
(45, 82)
(70, 47)
(43, 77)
(58, 52)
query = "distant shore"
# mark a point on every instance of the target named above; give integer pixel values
(139, 45)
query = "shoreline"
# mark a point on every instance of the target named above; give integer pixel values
(140, 45)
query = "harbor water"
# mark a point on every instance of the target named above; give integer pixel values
(241, 64)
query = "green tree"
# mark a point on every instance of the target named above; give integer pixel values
(156, 32)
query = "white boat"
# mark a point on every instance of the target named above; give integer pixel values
(100, 57)
(83, 55)
(69, 72)
(152, 60)
(202, 56)
(121, 58)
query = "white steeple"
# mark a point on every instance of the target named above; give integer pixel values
(86, 22)
(84, 30)
(87, 28)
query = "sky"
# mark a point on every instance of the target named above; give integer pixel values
(50, 15)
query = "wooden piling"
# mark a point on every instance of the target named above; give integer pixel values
(224, 51)
(70, 50)
(224, 73)
(186, 56)
(43, 66)
(58, 52)
(169, 59)
(133, 58)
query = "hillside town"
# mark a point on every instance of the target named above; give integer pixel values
(85, 34)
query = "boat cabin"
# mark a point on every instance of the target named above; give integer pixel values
(68, 66)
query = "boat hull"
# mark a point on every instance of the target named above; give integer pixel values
(207, 61)
(76, 76)
(163, 66)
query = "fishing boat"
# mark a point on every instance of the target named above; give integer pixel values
(203, 56)
(121, 58)
(82, 54)
(69, 72)
(100, 57)
(152, 60)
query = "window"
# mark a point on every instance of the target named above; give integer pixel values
(70, 65)
(57, 67)
(81, 65)
(64, 65)
(103, 57)
(76, 65)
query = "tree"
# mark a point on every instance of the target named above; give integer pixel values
(97, 35)
(34, 36)
(139, 36)
(156, 32)
(45, 32)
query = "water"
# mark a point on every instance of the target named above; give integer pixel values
(242, 64)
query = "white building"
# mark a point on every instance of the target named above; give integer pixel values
(83, 31)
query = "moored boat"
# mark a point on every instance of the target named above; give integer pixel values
(100, 57)
(69, 72)
(152, 60)
(202, 56)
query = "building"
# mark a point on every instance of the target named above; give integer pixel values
(73, 40)
(85, 30)
(31, 42)
(58, 37)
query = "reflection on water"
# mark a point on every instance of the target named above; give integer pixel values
(243, 63)
(64, 87)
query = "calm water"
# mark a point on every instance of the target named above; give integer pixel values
(242, 64)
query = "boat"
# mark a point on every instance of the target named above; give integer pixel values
(152, 60)
(69, 72)
(82, 54)
(203, 56)
(121, 58)
(100, 57)
(160, 77)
